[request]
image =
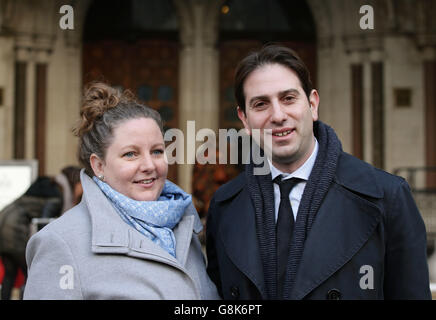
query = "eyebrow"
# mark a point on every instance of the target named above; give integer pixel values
(134, 146)
(160, 145)
(281, 93)
(295, 92)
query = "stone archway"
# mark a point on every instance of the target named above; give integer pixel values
(247, 27)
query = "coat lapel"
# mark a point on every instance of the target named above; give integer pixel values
(111, 235)
(343, 224)
(183, 233)
(238, 233)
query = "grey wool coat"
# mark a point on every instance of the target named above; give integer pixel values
(91, 253)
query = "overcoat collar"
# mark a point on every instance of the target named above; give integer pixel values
(326, 249)
(111, 235)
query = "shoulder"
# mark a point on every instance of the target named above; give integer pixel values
(68, 230)
(231, 188)
(72, 221)
(51, 256)
(360, 176)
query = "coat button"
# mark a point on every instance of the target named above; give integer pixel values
(334, 294)
(234, 291)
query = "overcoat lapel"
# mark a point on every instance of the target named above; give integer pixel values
(238, 235)
(343, 224)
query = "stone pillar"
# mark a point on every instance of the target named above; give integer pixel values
(357, 105)
(378, 109)
(429, 67)
(64, 78)
(366, 56)
(23, 113)
(20, 110)
(199, 76)
(31, 55)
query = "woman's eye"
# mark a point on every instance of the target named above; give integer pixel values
(158, 152)
(129, 154)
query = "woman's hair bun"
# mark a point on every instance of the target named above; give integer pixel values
(98, 98)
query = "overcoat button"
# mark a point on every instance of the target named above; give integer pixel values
(234, 291)
(334, 294)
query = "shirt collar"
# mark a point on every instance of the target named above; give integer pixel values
(302, 172)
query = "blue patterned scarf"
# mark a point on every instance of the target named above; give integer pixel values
(154, 219)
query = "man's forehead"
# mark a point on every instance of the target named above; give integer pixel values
(273, 79)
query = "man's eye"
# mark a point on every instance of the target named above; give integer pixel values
(259, 104)
(289, 98)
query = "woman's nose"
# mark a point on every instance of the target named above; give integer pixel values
(147, 164)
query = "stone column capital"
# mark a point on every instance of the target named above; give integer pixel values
(33, 47)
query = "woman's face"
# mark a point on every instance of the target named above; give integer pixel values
(135, 163)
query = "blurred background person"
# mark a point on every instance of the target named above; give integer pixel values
(47, 198)
(69, 179)
(43, 198)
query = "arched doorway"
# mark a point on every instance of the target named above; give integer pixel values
(246, 26)
(133, 44)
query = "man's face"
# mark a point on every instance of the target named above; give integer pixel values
(275, 100)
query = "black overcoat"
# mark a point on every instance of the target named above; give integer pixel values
(368, 240)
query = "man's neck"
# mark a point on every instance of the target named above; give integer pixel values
(295, 165)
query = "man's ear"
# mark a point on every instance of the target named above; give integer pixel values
(314, 103)
(97, 165)
(243, 118)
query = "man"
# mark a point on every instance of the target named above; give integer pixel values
(342, 230)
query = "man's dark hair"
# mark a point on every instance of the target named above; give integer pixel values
(270, 54)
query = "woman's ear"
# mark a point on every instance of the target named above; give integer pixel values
(97, 165)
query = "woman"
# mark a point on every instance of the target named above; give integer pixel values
(133, 235)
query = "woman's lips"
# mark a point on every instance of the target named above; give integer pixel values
(146, 182)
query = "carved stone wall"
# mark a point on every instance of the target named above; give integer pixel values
(403, 38)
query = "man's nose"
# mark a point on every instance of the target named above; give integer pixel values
(278, 114)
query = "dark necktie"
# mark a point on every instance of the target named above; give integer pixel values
(284, 229)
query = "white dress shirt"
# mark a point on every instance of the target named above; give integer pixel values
(296, 193)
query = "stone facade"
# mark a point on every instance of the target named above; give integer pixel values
(403, 38)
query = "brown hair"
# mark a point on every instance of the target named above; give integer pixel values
(72, 173)
(103, 109)
(270, 54)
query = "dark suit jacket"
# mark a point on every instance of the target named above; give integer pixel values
(368, 241)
